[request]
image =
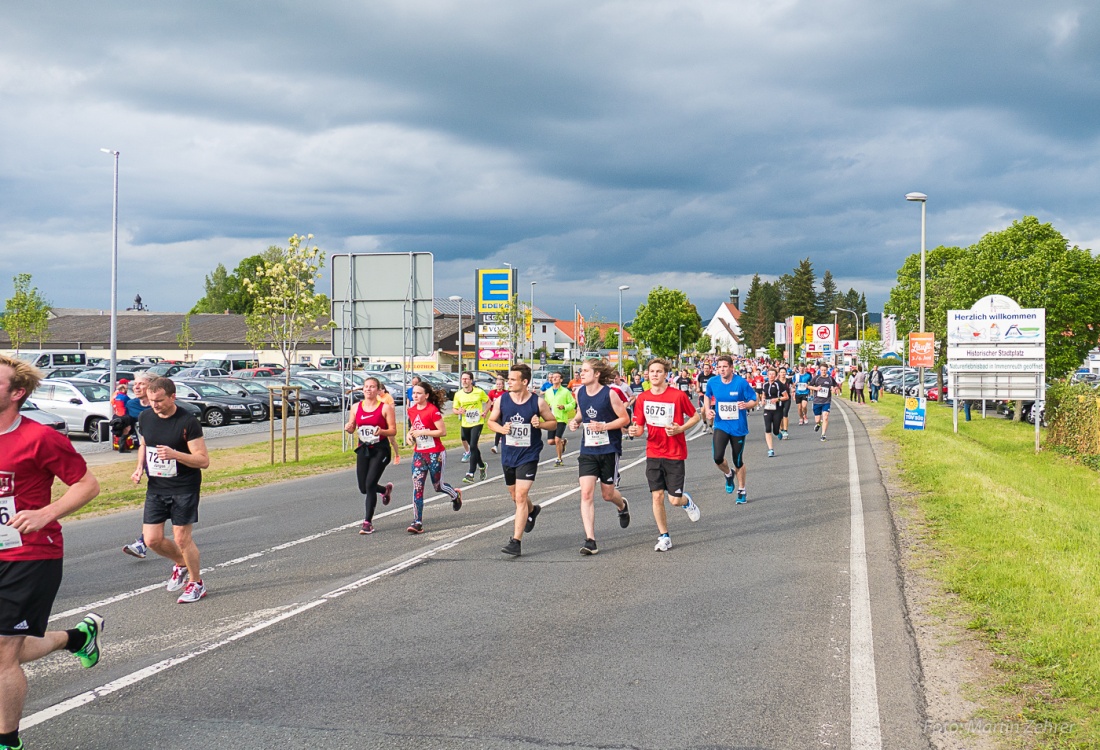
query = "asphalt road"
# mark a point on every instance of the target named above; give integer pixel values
(766, 626)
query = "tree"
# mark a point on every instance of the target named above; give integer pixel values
(26, 313)
(226, 292)
(285, 306)
(657, 322)
(219, 289)
(755, 318)
(827, 300)
(799, 298)
(611, 338)
(184, 337)
(704, 345)
(904, 300)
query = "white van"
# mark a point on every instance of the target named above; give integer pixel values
(48, 359)
(229, 361)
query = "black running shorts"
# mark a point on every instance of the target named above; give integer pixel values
(526, 472)
(665, 474)
(599, 465)
(181, 509)
(27, 591)
(723, 439)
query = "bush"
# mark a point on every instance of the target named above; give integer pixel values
(1073, 416)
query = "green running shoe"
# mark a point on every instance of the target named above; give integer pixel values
(13, 747)
(91, 626)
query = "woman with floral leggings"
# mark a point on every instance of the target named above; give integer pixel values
(425, 430)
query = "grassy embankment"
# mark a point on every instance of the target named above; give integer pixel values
(243, 467)
(1017, 536)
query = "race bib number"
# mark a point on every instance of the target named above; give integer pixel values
(519, 436)
(592, 438)
(685, 387)
(473, 415)
(425, 442)
(156, 466)
(9, 537)
(769, 406)
(728, 410)
(659, 415)
(823, 393)
(802, 388)
(368, 434)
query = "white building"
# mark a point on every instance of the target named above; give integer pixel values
(724, 327)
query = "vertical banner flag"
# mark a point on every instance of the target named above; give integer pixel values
(780, 334)
(581, 339)
(798, 323)
(527, 324)
(493, 294)
(889, 334)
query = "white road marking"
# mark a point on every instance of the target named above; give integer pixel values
(83, 699)
(866, 730)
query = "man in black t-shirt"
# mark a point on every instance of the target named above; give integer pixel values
(173, 454)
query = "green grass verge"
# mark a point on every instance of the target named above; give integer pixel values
(241, 468)
(1017, 536)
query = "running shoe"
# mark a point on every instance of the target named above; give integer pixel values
(415, 528)
(589, 547)
(178, 579)
(466, 457)
(456, 503)
(783, 435)
(387, 493)
(91, 626)
(482, 470)
(20, 746)
(664, 543)
(817, 426)
(729, 484)
(624, 515)
(742, 497)
(137, 549)
(530, 525)
(366, 528)
(195, 590)
(512, 547)
(493, 449)
(692, 509)
(771, 453)
(557, 462)
(823, 438)
(468, 479)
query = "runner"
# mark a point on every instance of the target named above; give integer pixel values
(31, 545)
(494, 395)
(701, 389)
(173, 454)
(517, 416)
(601, 409)
(134, 408)
(426, 427)
(823, 387)
(472, 404)
(373, 422)
(662, 412)
(802, 392)
(564, 407)
(728, 396)
(684, 382)
(785, 403)
(774, 395)
(756, 380)
(385, 397)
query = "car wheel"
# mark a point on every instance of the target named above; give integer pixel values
(215, 418)
(305, 408)
(92, 428)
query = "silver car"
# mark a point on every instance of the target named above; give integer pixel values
(83, 404)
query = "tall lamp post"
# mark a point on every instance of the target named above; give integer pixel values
(863, 339)
(836, 332)
(622, 289)
(114, 275)
(680, 353)
(923, 200)
(532, 342)
(458, 299)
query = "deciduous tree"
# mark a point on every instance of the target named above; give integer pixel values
(657, 322)
(26, 313)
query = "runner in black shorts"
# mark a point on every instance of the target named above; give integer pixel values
(31, 546)
(774, 395)
(701, 389)
(785, 403)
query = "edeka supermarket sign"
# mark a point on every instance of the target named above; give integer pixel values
(493, 289)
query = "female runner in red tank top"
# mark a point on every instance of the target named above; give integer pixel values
(374, 424)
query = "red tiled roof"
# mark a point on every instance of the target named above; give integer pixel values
(568, 327)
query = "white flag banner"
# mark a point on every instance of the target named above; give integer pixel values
(889, 334)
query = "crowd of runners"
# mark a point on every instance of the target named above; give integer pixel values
(599, 406)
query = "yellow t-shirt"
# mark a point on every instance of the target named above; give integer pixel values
(472, 405)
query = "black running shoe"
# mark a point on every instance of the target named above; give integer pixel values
(512, 547)
(530, 526)
(456, 504)
(624, 515)
(589, 547)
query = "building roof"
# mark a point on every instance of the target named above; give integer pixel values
(445, 307)
(569, 329)
(733, 311)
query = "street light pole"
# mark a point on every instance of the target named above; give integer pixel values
(532, 342)
(114, 274)
(458, 299)
(622, 289)
(680, 353)
(863, 340)
(923, 200)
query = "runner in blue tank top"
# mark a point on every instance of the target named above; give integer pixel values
(520, 416)
(729, 396)
(602, 413)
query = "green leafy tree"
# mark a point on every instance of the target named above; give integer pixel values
(220, 288)
(26, 313)
(611, 338)
(657, 322)
(184, 337)
(226, 292)
(704, 345)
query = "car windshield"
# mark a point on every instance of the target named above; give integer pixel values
(253, 387)
(94, 391)
(205, 389)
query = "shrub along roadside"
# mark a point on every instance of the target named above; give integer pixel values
(1015, 536)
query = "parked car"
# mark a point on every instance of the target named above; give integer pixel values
(32, 412)
(83, 404)
(390, 369)
(276, 369)
(168, 369)
(313, 399)
(46, 359)
(436, 381)
(218, 406)
(104, 376)
(248, 389)
(200, 373)
(353, 383)
(66, 372)
(254, 372)
(323, 398)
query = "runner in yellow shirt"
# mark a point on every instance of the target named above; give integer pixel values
(472, 404)
(564, 406)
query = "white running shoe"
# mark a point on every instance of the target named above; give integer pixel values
(195, 590)
(664, 544)
(179, 577)
(692, 509)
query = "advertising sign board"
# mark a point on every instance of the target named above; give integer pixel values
(915, 410)
(494, 292)
(922, 349)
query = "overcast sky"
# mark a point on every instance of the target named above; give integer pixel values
(590, 144)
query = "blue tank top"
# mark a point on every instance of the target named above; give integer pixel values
(598, 409)
(520, 414)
